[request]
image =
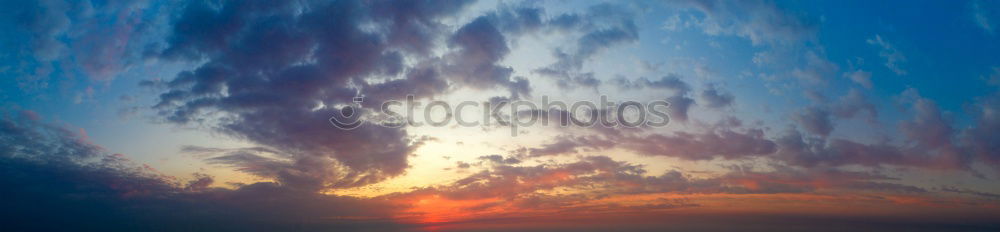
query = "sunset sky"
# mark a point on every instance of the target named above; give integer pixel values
(784, 115)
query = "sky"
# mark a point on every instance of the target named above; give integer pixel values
(216, 115)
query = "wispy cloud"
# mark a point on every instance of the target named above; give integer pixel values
(894, 59)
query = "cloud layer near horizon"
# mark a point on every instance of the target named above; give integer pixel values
(69, 182)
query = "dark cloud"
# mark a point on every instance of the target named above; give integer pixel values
(930, 139)
(566, 80)
(275, 72)
(679, 106)
(518, 19)
(603, 26)
(561, 146)
(716, 98)
(715, 142)
(480, 47)
(929, 127)
(983, 138)
(852, 104)
(499, 159)
(65, 179)
(419, 82)
(796, 149)
(820, 119)
(710, 142)
(570, 144)
(607, 25)
(931, 142)
(814, 120)
(969, 192)
(679, 100)
(728, 140)
(60, 180)
(412, 25)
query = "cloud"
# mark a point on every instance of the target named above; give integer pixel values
(715, 98)
(852, 104)
(759, 21)
(969, 192)
(801, 151)
(671, 82)
(566, 80)
(516, 184)
(785, 33)
(894, 59)
(673, 23)
(679, 106)
(499, 159)
(584, 185)
(929, 127)
(727, 140)
(482, 44)
(819, 119)
(422, 81)
(714, 141)
(569, 144)
(814, 120)
(982, 138)
(817, 69)
(994, 77)
(603, 26)
(984, 14)
(412, 25)
(309, 59)
(798, 150)
(478, 49)
(99, 40)
(931, 141)
(786, 179)
(271, 74)
(861, 77)
(679, 100)
(62, 180)
(274, 73)
(606, 25)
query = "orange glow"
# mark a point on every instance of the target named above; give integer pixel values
(437, 212)
(433, 209)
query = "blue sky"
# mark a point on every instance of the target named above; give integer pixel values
(952, 49)
(813, 99)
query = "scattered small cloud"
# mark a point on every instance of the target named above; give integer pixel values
(894, 59)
